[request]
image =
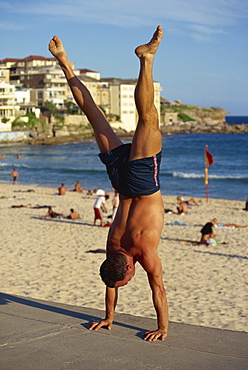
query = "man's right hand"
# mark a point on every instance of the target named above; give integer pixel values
(101, 324)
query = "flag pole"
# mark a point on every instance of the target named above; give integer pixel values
(209, 160)
(206, 172)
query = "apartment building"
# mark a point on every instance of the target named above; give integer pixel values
(7, 105)
(4, 75)
(36, 79)
(122, 102)
(16, 65)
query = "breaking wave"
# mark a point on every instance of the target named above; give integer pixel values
(186, 175)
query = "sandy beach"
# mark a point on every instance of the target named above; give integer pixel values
(52, 259)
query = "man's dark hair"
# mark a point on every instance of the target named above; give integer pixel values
(113, 269)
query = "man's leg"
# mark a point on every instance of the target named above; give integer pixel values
(147, 140)
(105, 136)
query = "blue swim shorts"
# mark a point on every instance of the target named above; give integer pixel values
(132, 178)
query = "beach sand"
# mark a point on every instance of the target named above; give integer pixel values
(50, 259)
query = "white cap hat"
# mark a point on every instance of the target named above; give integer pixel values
(100, 192)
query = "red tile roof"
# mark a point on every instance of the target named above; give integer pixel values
(29, 58)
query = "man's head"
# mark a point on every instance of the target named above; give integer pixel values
(180, 199)
(215, 222)
(117, 270)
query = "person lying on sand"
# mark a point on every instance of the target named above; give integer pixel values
(208, 237)
(51, 214)
(73, 215)
(182, 208)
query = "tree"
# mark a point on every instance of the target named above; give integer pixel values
(51, 108)
(71, 107)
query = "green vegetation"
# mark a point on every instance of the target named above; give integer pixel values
(60, 121)
(175, 108)
(184, 117)
(51, 107)
(32, 121)
(72, 108)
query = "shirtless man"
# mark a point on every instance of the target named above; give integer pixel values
(135, 233)
(182, 207)
(73, 215)
(15, 175)
(62, 189)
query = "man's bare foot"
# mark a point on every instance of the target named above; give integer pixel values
(56, 48)
(152, 46)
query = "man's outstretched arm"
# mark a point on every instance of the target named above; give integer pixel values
(110, 301)
(152, 265)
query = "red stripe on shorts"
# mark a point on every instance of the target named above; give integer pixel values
(155, 169)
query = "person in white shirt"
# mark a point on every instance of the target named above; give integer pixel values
(100, 207)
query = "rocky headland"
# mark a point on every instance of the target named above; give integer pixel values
(174, 120)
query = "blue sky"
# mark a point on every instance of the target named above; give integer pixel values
(203, 58)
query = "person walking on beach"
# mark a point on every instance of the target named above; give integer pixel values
(15, 176)
(99, 207)
(134, 172)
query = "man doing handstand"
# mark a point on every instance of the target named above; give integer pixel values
(134, 172)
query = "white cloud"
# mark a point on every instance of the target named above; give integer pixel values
(8, 26)
(204, 17)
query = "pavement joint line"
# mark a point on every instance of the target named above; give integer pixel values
(68, 327)
(38, 320)
(79, 326)
(32, 339)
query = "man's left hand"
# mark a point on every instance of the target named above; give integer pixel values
(152, 336)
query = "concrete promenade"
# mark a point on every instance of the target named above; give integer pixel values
(36, 334)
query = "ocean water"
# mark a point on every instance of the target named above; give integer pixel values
(236, 120)
(182, 168)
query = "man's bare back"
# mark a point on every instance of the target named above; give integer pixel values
(138, 224)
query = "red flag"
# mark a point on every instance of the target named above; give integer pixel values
(209, 158)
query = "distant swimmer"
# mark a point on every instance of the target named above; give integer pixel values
(15, 175)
